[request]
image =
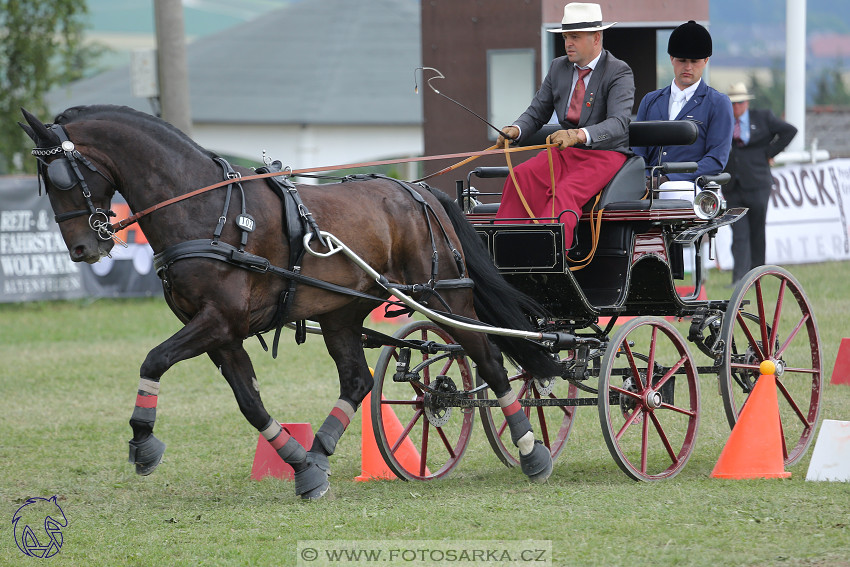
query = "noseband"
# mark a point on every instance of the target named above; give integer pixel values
(64, 174)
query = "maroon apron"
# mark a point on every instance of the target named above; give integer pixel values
(580, 175)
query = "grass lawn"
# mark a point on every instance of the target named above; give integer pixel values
(68, 379)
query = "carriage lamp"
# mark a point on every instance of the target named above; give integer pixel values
(708, 203)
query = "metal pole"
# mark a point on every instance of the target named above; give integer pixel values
(171, 62)
(795, 71)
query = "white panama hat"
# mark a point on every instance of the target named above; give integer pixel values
(581, 16)
(738, 92)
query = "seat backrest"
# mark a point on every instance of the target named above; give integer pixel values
(663, 133)
(628, 184)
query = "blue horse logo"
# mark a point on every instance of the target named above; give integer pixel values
(33, 515)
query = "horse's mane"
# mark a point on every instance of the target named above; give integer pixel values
(124, 114)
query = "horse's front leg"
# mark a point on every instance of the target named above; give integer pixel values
(311, 481)
(203, 333)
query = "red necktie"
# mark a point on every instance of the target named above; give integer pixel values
(574, 112)
(736, 133)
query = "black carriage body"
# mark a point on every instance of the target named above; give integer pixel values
(632, 271)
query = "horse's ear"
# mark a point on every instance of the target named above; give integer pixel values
(37, 131)
(28, 130)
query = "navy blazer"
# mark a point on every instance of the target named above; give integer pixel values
(749, 164)
(607, 106)
(712, 112)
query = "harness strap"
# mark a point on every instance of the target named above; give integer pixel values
(224, 252)
(528, 210)
(595, 231)
(124, 223)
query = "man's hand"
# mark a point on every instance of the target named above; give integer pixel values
(508, 132)
(567, 138)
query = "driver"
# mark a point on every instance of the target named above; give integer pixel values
(591, 92)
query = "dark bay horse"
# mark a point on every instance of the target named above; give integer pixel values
(89, 153)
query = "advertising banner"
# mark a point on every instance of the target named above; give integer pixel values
(34, 261)
(808, 217)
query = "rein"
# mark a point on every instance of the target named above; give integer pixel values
(124, 223)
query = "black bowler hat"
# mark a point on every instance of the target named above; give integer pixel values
(690, 41)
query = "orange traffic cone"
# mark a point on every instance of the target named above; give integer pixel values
(754, 448)
(266, 460)
(841, 370)
(373, 466)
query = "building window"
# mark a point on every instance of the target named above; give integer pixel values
(510, 85)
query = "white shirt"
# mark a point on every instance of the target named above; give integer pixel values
(678, 98)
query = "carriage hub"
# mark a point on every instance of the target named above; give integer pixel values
(437, 413)
(653, 399)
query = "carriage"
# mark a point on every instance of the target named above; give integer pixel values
(615, 291)
(605, 336)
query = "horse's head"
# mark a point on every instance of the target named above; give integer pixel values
(79, 191)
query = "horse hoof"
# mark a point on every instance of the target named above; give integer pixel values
(311, 483)
(146, 454)
(320, 460)
(537, 465)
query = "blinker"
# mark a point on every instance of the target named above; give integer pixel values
(61, 175)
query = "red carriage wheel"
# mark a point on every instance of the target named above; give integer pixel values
(770, 318)
(649, 399)
(552, 424)
(429, 438)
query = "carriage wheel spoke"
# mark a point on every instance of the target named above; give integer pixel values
(447, 366)
(644, 444)
(780, 300)
(683, 411)
(793, 334)
(633, 364)
(750, 338)
(404, 434)
(623, 392)
(628, 423)
(424, 455)
(766, 347)
(502, 428)
(541, 419)
(565, 409)
(650, 363)
(791, 402)
(446, 442)
(670, 373)
(664, 438)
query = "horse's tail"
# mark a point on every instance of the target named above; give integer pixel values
(496, 301)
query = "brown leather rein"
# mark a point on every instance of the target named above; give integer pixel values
(492, 150)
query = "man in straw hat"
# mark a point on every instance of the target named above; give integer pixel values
(757, 137)
(690, 98)
(591, 93)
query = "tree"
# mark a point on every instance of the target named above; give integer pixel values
(40, 48)
(769, 95)
(830, 89)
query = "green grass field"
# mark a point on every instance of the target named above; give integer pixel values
(68, 386)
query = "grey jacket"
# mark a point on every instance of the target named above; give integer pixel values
(607, 107)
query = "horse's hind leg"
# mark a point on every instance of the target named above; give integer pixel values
(535, 459)
(311, 481)
(342, 336)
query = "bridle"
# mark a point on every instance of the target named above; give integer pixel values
(64, 174)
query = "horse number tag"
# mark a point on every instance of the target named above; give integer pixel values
(246, 222)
